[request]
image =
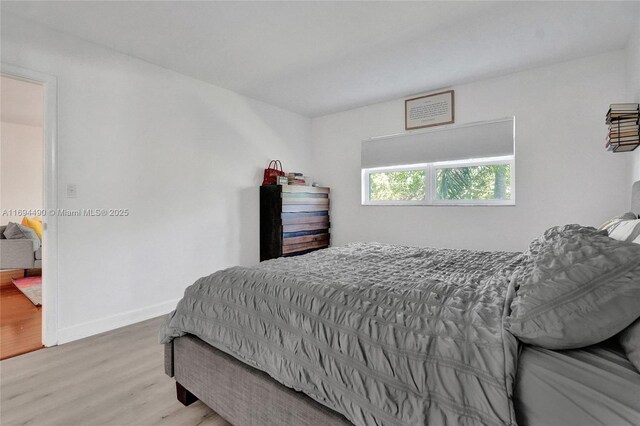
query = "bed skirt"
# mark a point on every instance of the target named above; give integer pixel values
(239, 393)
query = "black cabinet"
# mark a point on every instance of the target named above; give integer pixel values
(293, 220)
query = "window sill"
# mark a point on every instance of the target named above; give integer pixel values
(440, 204)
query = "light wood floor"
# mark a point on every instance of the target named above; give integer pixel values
(20, 323)
(115, 378)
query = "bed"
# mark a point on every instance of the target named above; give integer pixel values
(380, 334)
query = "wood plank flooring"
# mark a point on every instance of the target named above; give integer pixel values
(20, 323)
(115, 378)
(6, 275)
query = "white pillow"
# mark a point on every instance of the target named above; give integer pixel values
(612, 223)
(626, 230)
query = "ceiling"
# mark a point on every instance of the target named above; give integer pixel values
(318, 57)
(22, 102)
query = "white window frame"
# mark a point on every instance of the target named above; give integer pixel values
(430, 183)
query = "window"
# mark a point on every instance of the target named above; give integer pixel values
(484, 181)
(397, 185)
(469, 164)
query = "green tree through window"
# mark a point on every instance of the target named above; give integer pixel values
(488, 182)
(482, 182)
(397, 186)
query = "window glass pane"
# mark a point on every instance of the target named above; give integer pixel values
(397, 186)
(489, 182)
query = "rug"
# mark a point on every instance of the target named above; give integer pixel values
(30, 287)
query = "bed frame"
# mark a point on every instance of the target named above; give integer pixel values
(244, 395)
(241, 394)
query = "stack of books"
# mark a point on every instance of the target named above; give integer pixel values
(624, 128)
(296, 179)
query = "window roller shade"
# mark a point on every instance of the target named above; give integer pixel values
(481, 140)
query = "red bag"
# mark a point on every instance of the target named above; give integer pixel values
(271, 173)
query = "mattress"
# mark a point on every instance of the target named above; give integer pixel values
(596, 385)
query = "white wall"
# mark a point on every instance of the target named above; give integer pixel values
(563, 173)
(20, 169)
(633, 87)
(185, 157)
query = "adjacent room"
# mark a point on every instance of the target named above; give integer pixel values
(21, 234)
(320, 213)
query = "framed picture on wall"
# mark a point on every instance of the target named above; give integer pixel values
(429, 110)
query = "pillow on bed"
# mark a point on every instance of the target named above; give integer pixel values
(577, 287)
(611, 224)
(626, 230)
(630, 341)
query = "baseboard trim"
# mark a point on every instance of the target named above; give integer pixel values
(90, 328)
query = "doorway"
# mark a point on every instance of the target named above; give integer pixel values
(21, 208)
(28, 206)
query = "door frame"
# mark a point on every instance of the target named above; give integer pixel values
(50, 194)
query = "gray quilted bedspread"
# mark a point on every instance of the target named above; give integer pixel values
(385, 335)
